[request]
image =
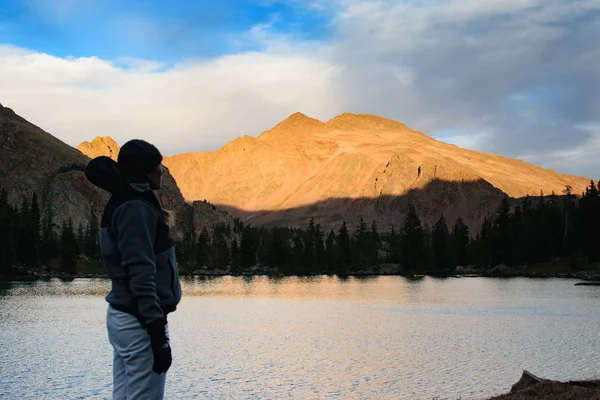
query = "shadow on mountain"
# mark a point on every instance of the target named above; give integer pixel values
(471, 200)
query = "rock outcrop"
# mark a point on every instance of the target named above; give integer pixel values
(532, 387)
(527, 380)
(100, 146)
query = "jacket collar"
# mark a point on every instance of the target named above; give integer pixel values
(140, 187)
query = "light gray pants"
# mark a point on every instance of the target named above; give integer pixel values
(133, 377)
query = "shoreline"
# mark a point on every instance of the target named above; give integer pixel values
(587, 278)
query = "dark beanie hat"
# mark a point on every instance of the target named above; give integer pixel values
(137, 158)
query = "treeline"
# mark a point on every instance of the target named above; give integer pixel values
(543, 230)
(536, 230)
(27, 240)
(293, 251)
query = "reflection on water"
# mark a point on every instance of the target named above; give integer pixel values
(322, 337)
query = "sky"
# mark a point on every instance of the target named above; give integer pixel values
(519, 78)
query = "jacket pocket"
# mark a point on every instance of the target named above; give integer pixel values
(174, 276)
(175, 284)
(163, 277)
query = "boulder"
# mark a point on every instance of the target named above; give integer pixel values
(502, 270)
(527, 380)
(588, 275)
(389, 268)
(466, 270)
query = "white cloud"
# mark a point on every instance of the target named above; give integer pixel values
(515, 77)
(196, 105)
(467, 59)
(580, 158)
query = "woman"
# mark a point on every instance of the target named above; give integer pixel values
(140, 260)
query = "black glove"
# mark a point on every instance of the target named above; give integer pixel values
(160, 346)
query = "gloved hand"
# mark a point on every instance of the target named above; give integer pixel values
(160, 346)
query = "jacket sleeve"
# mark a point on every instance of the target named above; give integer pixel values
(134, 224)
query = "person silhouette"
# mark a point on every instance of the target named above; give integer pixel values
(139, 258)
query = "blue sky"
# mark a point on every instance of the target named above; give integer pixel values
(512, 77)
(165, 31)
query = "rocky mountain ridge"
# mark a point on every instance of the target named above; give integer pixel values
(100, 146)
(355, 165)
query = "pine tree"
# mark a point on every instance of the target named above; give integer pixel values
(374, 244)
(413, 251)
(221, 252)
(428, 256)
(68, 250)
(8, 223)
(238, 226)
(310, 242)
(543, 236)
(343, 251)
(517, 236)
(363, 244)
(486, 243)
(588, 221)
(460, 236)
(24, 233)
(330, 253)
(277, 247)
(262, 248)
(50, 246)
(569, 221)
(395, 245)
(91, 245)
(313, 247)
(440, 242)
(529, 229)
(3, 199)
(80, 239)
(203, 249)
(501, 233)
(223, 230)
(4, 232)
(249, 246)
(300, 262)
(236, 258)
(555, 227)
(319, 250)
(35, 240)
(188, 246)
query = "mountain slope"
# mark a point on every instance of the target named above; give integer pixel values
(303, 164)
(33, 161)
(29, 155)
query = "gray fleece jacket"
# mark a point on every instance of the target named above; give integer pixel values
(136, 247)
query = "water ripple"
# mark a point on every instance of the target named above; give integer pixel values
(317, 338)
